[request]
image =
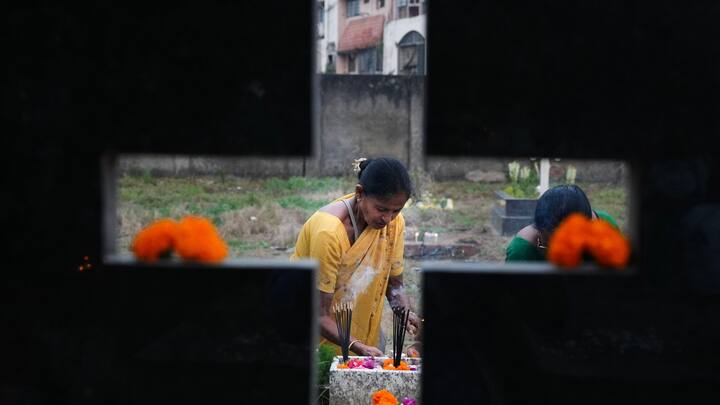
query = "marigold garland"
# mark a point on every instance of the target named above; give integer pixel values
(577, 234)
(384, 397)
(193, 238)
(198, 240)
(155, 240)
(388, 365)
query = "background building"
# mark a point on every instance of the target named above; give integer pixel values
(327, 36)
(372, 37)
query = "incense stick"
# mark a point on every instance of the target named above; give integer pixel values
(400, 320)
(343, 320)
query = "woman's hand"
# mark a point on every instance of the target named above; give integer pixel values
(365, 350)
(414, 350)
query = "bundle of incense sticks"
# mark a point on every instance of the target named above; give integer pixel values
(343, 319)
(400, 319)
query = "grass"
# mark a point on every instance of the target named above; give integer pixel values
(609, 198)
(255, 214)
(245, 246)
(294, 201)
(302, 184)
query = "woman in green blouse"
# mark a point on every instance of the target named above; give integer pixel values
(530, 243)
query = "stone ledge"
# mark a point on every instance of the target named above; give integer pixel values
(418, 250)
(356, 386)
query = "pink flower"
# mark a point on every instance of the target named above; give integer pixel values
(369, 363)
(408, 401)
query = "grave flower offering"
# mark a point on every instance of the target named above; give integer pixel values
(578, 235)
(343, 320)
(384, 397)
(402, 366)
(367, 363)
(193, 238)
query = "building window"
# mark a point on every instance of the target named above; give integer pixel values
(351, 63)
(330, 66)
(366, 61)
(353, 8)
(410, 8)
(411, 54)
(380, 3)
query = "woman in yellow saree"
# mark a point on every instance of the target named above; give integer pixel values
(358, 242)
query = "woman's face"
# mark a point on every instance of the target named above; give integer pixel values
(378, 212)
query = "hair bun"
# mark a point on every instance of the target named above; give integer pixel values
(358, 165)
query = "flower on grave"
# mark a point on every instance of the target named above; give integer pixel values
(368, 363)
(514, 171)
(384, 397)
(570, 174)
(578, 236)
(524, 173)
(388, 365)
(193, 238)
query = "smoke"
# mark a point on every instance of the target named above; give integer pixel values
(359, 282)
(397, 291)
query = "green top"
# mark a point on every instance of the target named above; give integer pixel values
(521, 250)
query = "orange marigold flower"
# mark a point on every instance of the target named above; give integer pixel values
(155, 240)
(388, 365)
(608, 246)
(577, 234)
(342, 365)
(567, 243)
(384, 397)
(198, 240)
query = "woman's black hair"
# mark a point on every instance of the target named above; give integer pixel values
(384, 178)
(559, 202)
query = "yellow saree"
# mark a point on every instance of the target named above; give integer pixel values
(357, 273)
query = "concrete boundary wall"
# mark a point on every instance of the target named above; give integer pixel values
(363, 116)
